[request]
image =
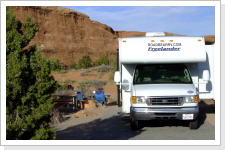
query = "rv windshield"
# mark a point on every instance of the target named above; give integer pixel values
(161, 73)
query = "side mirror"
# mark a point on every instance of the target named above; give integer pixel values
(117, 77)
(205, 75)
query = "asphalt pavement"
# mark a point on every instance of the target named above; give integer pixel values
(113, 126)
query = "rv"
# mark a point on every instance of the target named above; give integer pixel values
(163, 77)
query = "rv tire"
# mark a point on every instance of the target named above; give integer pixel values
(135, 124)
(193, 124)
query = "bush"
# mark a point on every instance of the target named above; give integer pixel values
(73, 66)
(65, 89)
(113, 63)
(102, 60)
(85, 62)
(98, 84)
(56, 65)
(83, 86)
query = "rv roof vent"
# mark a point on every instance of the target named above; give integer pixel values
(155, 34)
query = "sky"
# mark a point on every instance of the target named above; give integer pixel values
(184, 20)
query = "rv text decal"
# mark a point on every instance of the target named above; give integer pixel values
(160, 47)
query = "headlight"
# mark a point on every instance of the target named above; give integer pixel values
(138, 99)
(191, 99)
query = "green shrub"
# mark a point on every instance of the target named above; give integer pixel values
(102, 60)
(98, 84)
(64, 90)
(113, 63)
(85, 62)
(56, 65)
(73, 66)
(100, 75)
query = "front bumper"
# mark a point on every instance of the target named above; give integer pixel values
(162, 113)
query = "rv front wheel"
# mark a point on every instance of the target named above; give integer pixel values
(193, 124)
(135, 124)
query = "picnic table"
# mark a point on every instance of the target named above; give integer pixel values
(69, 100)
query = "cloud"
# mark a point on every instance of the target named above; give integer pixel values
(186, 20)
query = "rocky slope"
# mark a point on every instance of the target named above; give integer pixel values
(67, 35)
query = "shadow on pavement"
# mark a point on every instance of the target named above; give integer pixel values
(114, 128)
(117, 127)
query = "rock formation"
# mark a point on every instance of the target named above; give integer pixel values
(67, 35)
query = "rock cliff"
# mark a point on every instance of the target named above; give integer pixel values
(67, 35)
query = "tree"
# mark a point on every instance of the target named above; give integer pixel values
(28, 84)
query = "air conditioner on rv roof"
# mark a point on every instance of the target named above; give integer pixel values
(155, 34)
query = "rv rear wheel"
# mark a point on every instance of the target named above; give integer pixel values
(193, 124)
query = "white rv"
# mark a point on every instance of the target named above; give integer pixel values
(163, 77)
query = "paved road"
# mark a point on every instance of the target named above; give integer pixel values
(111, 126)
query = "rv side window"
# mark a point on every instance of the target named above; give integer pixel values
(161, 73)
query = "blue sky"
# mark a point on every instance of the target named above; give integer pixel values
(185, 20)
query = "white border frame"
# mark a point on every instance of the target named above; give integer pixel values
(111, 3)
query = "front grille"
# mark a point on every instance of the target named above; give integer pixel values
(171, 101)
